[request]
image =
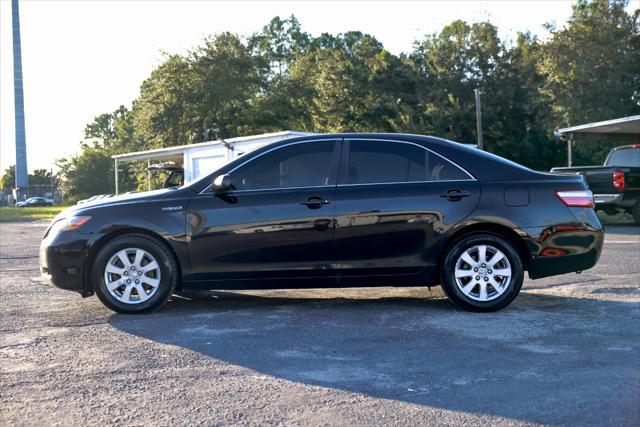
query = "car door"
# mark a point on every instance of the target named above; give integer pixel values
(394, 201)
(276, 222)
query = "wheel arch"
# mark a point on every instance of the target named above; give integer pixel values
(102, 241)
(499, 230)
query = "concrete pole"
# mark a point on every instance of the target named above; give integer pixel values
(148, 173)
(479, 119)
(569, 150)
(22, 177)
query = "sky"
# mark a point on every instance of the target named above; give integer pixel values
(84, 58)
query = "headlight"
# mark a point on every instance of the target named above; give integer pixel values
(69, 224)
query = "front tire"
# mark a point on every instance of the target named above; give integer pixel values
(482, 272)
(134, 274)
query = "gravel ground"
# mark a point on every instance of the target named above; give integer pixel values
(567, 351)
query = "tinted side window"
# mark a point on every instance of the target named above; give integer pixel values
(382, 162)
(300, 165)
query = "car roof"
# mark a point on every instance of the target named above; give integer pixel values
(481, 164)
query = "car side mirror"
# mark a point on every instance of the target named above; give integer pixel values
(222, 183)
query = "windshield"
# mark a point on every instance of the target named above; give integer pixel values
(624, 157)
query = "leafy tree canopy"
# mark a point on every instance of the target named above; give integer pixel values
(284, 78)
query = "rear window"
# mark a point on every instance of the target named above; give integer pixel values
(379, 162)
(625, 157)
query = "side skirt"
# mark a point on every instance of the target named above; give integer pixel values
(425, 278)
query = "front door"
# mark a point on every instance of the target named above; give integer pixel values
(394, 201)
(276, 223)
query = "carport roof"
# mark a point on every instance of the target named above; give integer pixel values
(622, 129)
(176, 153)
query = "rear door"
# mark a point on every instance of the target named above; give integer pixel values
(394, 201)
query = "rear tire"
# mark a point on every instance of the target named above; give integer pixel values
(134, 274)
(482, 272)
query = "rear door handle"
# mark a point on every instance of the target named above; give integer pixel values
(315, 202)
(454, 194)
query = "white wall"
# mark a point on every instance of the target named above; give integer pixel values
(200, 161)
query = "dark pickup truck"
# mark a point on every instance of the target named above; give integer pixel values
(616, 185)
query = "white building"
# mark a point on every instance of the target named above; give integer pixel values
(200, 159)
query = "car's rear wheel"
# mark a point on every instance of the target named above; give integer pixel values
(134, 274)
(482, 272)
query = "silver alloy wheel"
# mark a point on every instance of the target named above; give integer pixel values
(483, 273)
(132, 275)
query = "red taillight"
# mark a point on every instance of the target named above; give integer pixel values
(618, 180)
(577, 199)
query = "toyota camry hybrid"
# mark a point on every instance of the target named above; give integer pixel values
(325, 211)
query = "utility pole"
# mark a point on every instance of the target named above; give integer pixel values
(478, 119)
(22, 177)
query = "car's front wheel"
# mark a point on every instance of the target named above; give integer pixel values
(482, 272)
(134, 274)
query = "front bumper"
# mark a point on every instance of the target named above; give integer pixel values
(62, 260)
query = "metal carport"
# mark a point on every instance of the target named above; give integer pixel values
(625, 129)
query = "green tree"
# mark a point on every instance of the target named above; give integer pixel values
(40, 177)
(91, 172)
(351, 83)
(280, 103)
(113, 132)
(283, 78)
(592, 70)
(214, 86)
(279, 44)
(449, 66)
(8, 180)
(84, 175)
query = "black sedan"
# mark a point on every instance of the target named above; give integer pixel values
(34, 201)
(332, 211)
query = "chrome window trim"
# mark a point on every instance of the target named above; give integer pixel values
(208, 187)
(230, 193)
(471, 177)
(406, 182)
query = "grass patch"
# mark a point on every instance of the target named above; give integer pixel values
(29, 214)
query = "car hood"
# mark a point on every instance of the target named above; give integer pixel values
(112, 201)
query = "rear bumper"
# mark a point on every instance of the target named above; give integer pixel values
(611, 199)
(564, 248)
(62, 261)
(621, 200)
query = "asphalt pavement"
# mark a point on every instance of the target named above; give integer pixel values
(567, 351)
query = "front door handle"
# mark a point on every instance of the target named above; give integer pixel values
(454, 194)
(315, 202)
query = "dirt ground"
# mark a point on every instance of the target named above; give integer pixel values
(567, 351)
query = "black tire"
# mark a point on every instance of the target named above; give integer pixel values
(636, 213)
(167, 267)
(453, 291)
